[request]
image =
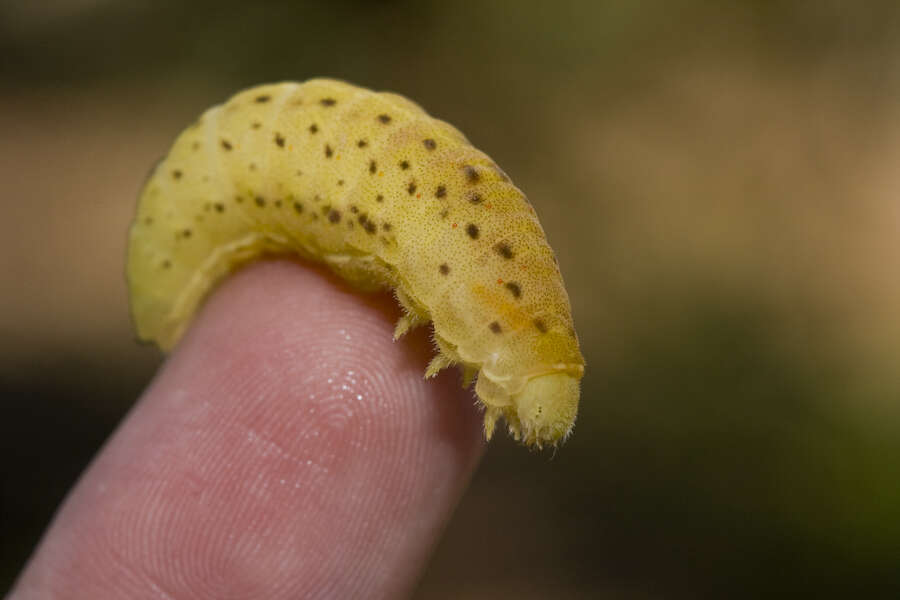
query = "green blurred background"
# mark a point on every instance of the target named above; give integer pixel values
(720, 182)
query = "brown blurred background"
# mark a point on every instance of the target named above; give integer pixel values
(720, 182)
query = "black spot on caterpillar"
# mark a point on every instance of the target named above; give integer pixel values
(503, 249)
(503, 314)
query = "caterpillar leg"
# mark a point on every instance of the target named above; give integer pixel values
(405, 324)
(448, 356)
(491, 416)
(438, 363)
(468, 375)
(413, 315)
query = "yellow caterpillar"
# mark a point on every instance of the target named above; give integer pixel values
(388, 197)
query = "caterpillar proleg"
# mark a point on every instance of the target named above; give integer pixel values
(387, 197)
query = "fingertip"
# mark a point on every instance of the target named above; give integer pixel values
(299, 335)
(287, 444)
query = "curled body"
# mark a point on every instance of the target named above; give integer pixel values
(388, 197)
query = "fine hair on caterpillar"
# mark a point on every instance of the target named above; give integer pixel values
(389, 198)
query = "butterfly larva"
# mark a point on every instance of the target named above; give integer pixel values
(388, 197)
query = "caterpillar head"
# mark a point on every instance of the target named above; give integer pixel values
(542, 413)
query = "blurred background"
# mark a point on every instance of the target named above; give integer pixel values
(720, 182)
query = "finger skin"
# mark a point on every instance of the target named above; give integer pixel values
(287, 449)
